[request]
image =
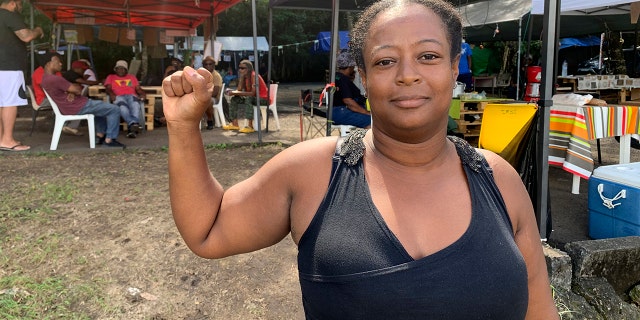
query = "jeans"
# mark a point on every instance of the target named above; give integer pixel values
(129, 108)
(107, 117)
(342, 115)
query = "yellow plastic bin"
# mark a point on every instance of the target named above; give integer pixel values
(504, 126)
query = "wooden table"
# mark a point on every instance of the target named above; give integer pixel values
(484, 82)
(572, 127)
(154, 93)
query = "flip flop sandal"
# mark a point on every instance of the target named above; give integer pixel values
(13, 149)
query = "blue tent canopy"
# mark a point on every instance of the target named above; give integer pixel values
(323, 43)
(579, 42)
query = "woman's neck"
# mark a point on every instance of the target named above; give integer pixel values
(431, 151)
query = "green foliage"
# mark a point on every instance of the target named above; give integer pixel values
(56, 297)
(36, 199)
(219, 146)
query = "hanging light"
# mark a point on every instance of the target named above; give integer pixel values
(496, 31)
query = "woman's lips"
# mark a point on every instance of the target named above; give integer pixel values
(409, 101)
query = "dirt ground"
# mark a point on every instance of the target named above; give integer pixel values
(99, 222)
(109, 223)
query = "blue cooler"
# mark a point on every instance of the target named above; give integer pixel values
(614, 201)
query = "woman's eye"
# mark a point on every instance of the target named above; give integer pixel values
(428, 56)
(384, 62)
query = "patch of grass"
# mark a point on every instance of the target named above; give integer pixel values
(22, 297)
(219, 146)
(35, 199)
(563, 309)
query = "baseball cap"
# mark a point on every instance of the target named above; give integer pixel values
(86, 61)
(345, 60)
(121, 63)
(79, 64)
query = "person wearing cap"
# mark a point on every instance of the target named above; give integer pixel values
(349, 105)
(76, 74)
(209, 63)
(70, 101)
(88, 73)
(125, 91)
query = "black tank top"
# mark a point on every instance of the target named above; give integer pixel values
(351, 266)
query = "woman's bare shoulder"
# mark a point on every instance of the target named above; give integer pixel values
(303, 159)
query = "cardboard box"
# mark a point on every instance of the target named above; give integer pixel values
(614, 201)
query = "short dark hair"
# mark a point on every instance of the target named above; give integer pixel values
(448, 14)
(46, 57)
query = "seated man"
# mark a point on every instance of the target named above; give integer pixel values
(348, 103)
(68, 97)
(70, 127)
(209, 63)
(125, 92)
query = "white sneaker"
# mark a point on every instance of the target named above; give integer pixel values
(71, 131)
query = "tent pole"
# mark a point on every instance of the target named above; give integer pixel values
(270, 19)
(332, 59)
(256, 60)
(33, 43)
(550, 48)
(519, 58)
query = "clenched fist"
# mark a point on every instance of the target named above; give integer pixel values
(186, 95)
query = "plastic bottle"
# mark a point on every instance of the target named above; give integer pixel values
(565, 66)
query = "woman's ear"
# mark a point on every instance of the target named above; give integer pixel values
(363, 77)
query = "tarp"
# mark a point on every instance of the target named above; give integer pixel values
(579, 42)
(171, 14)
(323, 43)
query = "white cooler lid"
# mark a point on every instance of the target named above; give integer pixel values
(627, 174)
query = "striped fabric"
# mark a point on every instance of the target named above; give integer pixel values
(571, 128)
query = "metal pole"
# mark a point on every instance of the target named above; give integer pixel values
(332, 64)
(33, 43)
(549, 47)
(519, 58)
(256, 61)
(270, 13)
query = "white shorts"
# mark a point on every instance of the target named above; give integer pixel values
(12, 91)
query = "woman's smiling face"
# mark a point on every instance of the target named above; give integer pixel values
(409, 73)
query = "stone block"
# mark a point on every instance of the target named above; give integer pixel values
(615, 259)
(572, 306)
(601, 295)
(558, 267)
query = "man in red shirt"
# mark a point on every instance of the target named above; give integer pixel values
(125, 92)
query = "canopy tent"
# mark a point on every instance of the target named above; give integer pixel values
(586, 7)
(171, 14)
(482, 19)
(588, 17)
(323, 41)
(242, 43)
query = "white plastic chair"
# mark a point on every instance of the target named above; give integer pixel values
(61, 119)
(344, 129)
(218, 113)
(273, 94)
(36, 108)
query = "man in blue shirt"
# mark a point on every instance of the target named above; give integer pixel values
(348, 102)
(464, 67)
